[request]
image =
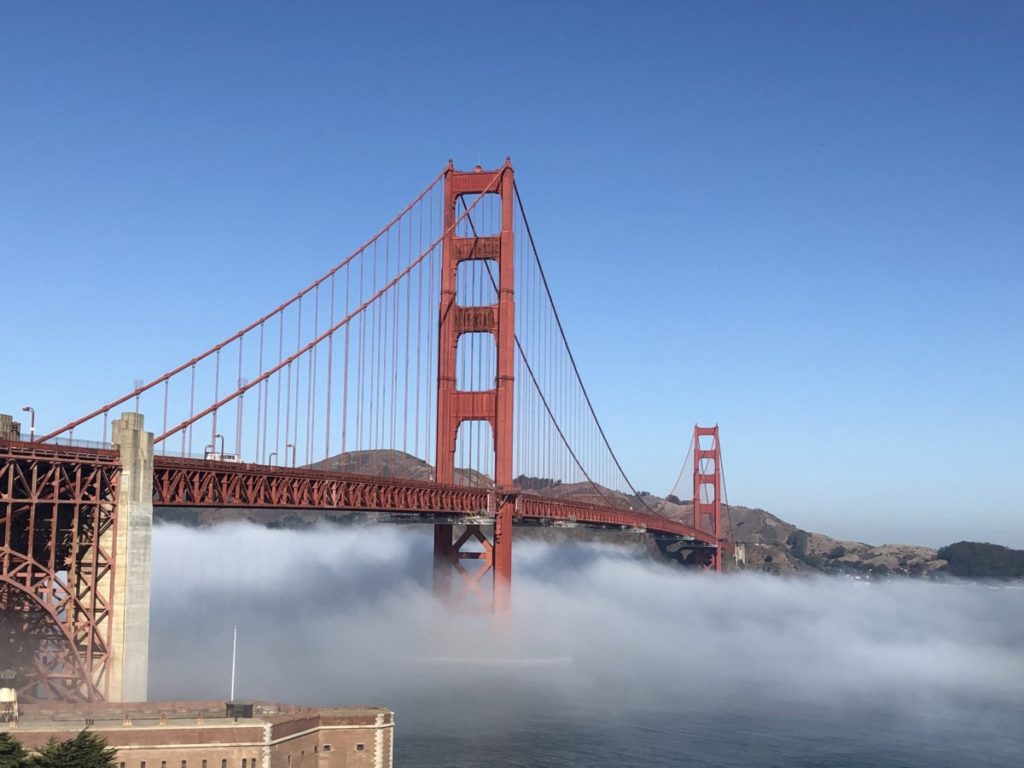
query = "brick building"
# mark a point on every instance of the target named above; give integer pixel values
(204, 734)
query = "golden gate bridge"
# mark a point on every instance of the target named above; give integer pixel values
(425, 377)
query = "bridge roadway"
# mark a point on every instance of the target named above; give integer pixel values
(189, 482)
(181, 482)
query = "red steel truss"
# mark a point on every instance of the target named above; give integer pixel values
(58, 528)
(197, 483)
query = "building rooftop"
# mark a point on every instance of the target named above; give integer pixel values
(162, 714)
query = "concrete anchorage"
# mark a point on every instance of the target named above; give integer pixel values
(129, 658)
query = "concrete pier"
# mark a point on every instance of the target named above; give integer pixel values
(129, 662)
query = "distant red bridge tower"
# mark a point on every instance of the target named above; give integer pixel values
(707, 488)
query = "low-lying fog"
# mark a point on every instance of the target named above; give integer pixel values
(598, 635)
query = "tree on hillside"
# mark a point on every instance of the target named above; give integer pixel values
(797, 542)
(12, 754)
(529, 483)
(86, 750)
(975, 560)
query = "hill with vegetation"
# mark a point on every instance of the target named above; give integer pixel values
(975, 560)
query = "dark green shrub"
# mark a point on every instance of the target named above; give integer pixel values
(86, 750)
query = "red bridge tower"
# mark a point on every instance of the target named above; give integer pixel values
(495, 405)
(707, 488)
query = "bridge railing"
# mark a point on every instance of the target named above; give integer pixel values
(75, 443)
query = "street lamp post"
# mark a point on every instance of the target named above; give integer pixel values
(32, 422)
(271, 457)
(221, 445)
(292, 446)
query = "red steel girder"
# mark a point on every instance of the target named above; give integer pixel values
(544, 509)
(199, 483)
(57, 553)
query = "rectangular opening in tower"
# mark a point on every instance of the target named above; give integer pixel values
(707, 493)
(484, 217)
(706, 466)
(476, 283)
(474, 454)
(476, 362)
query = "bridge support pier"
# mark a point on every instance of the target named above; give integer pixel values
(129, 656)
(453, 545)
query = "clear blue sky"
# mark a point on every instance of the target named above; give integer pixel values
(804, 221)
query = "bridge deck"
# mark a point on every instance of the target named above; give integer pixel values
(198, 483)
(185, 482)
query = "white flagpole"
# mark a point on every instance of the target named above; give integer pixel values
(234, 654)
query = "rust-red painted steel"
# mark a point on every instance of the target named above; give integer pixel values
(545, 509)
(58, 527)
(494, 405)
(197, 483)
(707, 488)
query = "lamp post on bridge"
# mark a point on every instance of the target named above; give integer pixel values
(286, 447)
(32, 422)
(271, 457)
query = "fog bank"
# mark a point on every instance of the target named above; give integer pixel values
(344, 615)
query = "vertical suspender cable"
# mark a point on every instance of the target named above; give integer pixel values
(330, 379)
